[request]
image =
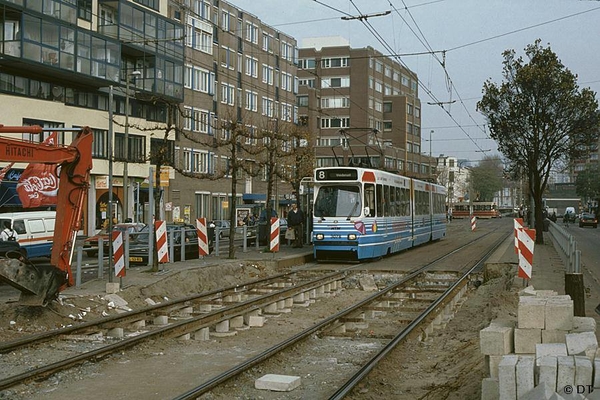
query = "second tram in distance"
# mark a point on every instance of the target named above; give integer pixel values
(363, 213)
(481, 209)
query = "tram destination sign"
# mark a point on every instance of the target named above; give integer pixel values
(337, 175)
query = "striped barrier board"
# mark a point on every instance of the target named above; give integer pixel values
(160, 227)
(202, 237)
(526, 246)
(274, 236)
(473, 223)
(118, 253)
(518, 223)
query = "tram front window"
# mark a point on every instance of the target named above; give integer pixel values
(338, 201)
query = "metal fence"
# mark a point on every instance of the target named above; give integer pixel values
(566, 247)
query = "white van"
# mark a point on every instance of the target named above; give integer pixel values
(35, 229)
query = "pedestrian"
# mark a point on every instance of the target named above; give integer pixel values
(296, 221)
(8, 234)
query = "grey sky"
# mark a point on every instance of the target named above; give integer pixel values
(460, 27)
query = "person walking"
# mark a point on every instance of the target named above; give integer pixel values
(296, 222)
(8, 233)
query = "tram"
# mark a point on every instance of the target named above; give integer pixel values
(481, 209)
(364, 213)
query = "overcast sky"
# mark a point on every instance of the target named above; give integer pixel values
(473, 34)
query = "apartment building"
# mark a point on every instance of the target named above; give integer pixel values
(238, 72)
(363, 105)
(60, 63)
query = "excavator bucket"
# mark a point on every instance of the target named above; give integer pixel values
(39, 285)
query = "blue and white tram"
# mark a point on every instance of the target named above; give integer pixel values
(362, 213)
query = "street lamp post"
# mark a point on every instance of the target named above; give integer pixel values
(126, 147)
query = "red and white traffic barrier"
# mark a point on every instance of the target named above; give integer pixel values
(274, 235)
(526, 246)
(202, 237)
(518, 224)
(118, 253)
(473, 223)
(160, 227)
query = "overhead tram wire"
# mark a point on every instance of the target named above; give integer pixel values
(383, 42)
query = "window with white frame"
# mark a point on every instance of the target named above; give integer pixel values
(287, 50)
(409, 128)
(388, 71)
(413, 85)
(417, 112)
(227, 94)
(307, 63)
(251, 100)
(307, 82)
(199, 79)
(199, 35)
(335, 62)
(252, 66)
(227, 57)
(405, 80)
(387, 126)
(378, 66)
(267, 44)
(286, 112)
(378, 86)
(396, 76)
(202, 9)
(251, 135)
(409, 109)
(267, 74)
(225, 19)
(335, 102)
(286, 82)
(371, 82)
(387, 90)
(335, 122)
(343, 81)
(378, 106)
(268, 107)
(251, 32)
(371, 103)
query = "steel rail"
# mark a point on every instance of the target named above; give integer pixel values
(238, 369)
(351, 383)
(174, 329)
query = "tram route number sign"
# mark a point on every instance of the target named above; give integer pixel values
(337, 175)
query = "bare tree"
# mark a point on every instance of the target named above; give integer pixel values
(539, 116)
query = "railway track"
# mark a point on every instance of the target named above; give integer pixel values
(420, 297)
(405, 298)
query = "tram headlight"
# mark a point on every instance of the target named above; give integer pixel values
(352, 236)
(320, 236)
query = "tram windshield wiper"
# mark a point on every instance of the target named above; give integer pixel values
(352, 212)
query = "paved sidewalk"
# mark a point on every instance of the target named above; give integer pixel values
(549, 272)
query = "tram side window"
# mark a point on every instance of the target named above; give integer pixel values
(370, 199)
(386, 201)
(379, 200)
(393, 209)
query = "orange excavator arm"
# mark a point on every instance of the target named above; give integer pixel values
(38, 286)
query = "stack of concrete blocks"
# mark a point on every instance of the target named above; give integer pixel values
(546, 351)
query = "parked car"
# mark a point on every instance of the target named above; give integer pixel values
(283, 227)
(92, 242)
(223, 227)
(588, 219)
(138, 249)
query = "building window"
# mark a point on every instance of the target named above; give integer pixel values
(302, 101)
(251, 100)
(251, 67)
(225, 18)
(409, 109)
(335, 82)
(268, 107)
(387, 125)
(387, 107)
(227, 94)
(335, 62)
(251, 32)
(335, 122)
(335, 102)
(227, 58)
(307, 63)
(267, 42)
(286, 82)
(199, 35)
(307, 82)
(267, 74)
(100, 143)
